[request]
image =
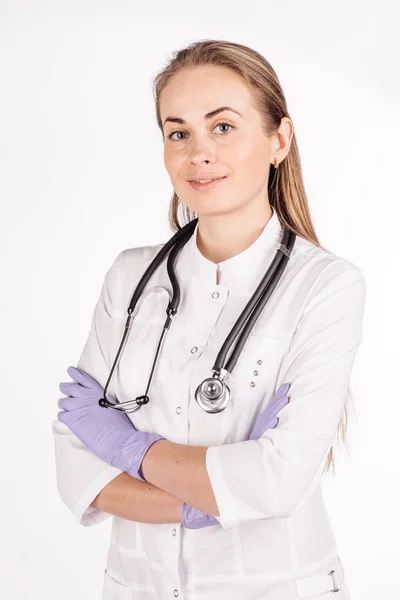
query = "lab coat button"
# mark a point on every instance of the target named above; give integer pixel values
(175, 593)
(174, 532)
(259, 362)
(194, 349)
(215, 295)
(252, 383)
(178, 410)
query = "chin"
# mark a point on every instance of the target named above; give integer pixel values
(215, 211)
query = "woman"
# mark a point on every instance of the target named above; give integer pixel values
(229, 504)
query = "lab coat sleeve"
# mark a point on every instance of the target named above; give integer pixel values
(267, 478)
(81, 475)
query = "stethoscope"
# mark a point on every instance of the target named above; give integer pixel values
(213, 394)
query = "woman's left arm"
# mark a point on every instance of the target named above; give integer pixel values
(180, 470)
(268, 477)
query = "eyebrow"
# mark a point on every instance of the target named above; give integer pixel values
(209, 115)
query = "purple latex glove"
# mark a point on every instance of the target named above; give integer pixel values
(192, 518)
(268, 419)
(109, 433)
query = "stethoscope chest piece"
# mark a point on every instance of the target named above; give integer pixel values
(213, 395)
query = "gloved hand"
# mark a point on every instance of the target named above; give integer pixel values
(192, 518)
(109, 433)
(267, 418)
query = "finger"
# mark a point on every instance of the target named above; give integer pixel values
(280, 398)
(277, 404)
(283, 390)
(281, 402)
(70, 403)
(273, 423)
(82, 377)
(61, 416)
(70, 388)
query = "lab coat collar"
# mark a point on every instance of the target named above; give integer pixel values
(243, 272)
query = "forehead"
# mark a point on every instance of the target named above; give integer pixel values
(194, 91)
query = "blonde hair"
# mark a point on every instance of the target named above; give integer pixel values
(285, 186)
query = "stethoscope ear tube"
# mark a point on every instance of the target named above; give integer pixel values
(256, 304)
(285, 248)
(176, 292)
(183, 234)
(176, 242)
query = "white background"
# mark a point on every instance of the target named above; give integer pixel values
(82, 177)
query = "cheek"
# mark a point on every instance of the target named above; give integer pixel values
(249, 160)
(172, 163)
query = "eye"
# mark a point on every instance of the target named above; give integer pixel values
(217, 125)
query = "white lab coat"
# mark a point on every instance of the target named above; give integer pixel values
(274, 540)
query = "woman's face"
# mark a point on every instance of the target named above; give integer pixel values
(226, 144)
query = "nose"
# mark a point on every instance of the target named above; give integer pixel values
(202, 150)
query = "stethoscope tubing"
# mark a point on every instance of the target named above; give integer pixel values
(247, 318)
(175, 242)
(241, 328)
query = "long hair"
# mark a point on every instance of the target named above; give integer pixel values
(285, 185)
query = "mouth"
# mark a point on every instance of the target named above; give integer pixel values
(207, 186)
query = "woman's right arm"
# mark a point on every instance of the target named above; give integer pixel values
(136, 500)
(89, 487)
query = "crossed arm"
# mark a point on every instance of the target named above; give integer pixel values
(181, 471)
(176, 473)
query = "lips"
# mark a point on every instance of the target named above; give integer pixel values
(205, 186)
(206, 177)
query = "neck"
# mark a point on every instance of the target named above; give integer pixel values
(220, 238)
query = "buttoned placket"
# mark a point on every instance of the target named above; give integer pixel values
(213, 299)
(207, 301)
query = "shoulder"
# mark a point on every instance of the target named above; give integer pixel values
(126, 271)
(131, 259)
(324, 272)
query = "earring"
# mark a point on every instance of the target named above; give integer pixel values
(276, 162)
